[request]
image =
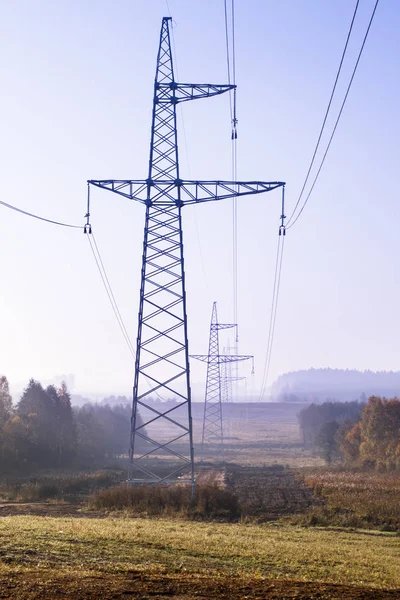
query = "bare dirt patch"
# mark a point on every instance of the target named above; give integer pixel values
(268, 492)
(41, 584)
(45, 509)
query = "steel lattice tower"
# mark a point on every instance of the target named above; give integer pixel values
(227, 380)
(227, 377)
(212, 422)
(162, 357)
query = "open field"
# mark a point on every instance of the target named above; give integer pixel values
(301, 530)
(142, 558)
(354, 499)
(258, 435)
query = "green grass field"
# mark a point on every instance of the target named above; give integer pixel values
(302, 530)
(60, 549)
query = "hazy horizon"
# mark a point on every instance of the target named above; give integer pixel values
(77, 101)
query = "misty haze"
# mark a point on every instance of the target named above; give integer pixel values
(199, 361)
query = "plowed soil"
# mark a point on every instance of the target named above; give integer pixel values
(269, 493)
(42, 584)
(45, 509)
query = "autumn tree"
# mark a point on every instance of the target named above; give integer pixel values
(326, 441)
(315, 416)
(5, 414)
(62, 433)
(44, 430)
(5, 401)
(375, 440)
(67, 437)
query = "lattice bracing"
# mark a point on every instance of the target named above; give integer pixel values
(190, 192)
(213, 433)
(161, 390)
(227, 378)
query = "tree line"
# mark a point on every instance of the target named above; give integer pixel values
(43, 430)
(342, 385)
(364, 435)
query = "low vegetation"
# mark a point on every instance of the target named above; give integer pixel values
(146, 549)
(259, 527)
(357, 499)
(43, 431)
(210, 501)
(360, 435)
(50, 486)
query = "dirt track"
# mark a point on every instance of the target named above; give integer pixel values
(45, 509)
(267, 492)
(40, 585)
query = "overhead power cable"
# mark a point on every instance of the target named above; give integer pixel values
(231, 70)
(24, 212)
(106, 282)
(274, 308)
(328, 109)
(107, 286)
(291, 222)
(168, 9)
(228, 63)
(234, 177)
(186, 148)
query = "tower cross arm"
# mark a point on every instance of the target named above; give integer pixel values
(195, 192)
(221, 358)
(129, 188)
(173, 92)
(223, 325)
(164, 191)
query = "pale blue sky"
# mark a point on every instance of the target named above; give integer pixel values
(76, 103)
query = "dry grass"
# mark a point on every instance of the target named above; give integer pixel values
(257, 436)
(54, 485)
(65, 547)
(268, 493)
(355, 499)
(211, 500)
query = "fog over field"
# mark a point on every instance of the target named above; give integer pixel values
(317, 385)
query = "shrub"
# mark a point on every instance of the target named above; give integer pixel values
(210, 500)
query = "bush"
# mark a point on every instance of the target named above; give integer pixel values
(210, 501)
(68, 486)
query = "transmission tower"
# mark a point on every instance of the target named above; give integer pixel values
(162, 357)
(227, 377)
(212, 422)
(227, 391)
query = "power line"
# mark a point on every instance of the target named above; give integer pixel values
(231, 67)
(290, 224)
(24, 212)
(100, 266)
(228, 65)
(186, 151)
(114, 305)
(274, 308)
(126, 335)
(327, 110)
(234, 65)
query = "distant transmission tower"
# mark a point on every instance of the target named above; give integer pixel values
(227, 391)
(162, 356)
(227, 377)
(212, 422)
